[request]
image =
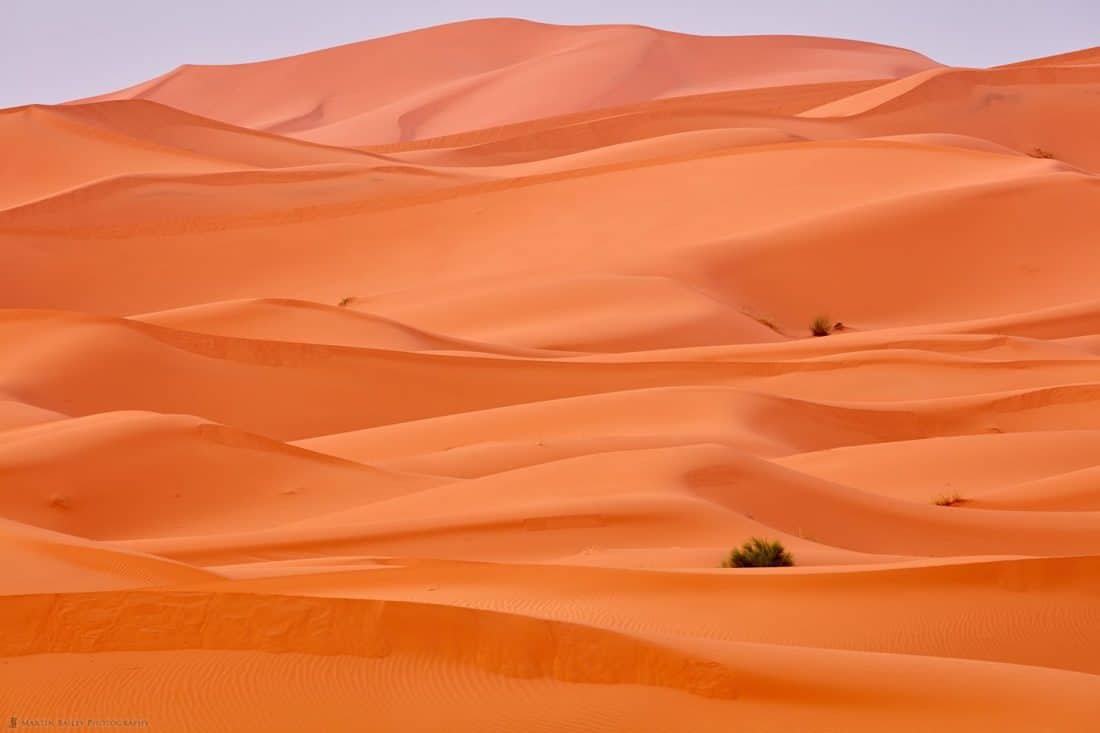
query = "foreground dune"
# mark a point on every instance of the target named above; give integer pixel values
(396, 387)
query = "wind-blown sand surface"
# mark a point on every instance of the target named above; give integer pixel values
(402, 387)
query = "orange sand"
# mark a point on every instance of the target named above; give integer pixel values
(395, 387)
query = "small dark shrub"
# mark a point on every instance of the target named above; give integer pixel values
(759, 553)
(1040, 153)
(345, 301)
(821, 326)
(948, 499)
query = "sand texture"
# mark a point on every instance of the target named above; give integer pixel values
(424, 384)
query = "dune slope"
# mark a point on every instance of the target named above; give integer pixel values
(425, 83)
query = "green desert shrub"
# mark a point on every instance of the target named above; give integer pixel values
(759, 553)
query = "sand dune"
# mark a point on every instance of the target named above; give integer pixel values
(704, 680)
(426, 382)
(353, 95)
(1050, 107)
(221, 479)
(58, 148)
(41, 561)
(1084, 57)
(974, 463)
(895, 608)
(919, 204)
(15, 414)
(1071, 491)
(342, 324)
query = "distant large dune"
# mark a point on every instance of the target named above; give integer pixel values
(481, 74)
(426, 382)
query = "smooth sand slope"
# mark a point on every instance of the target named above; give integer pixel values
(427, 83)
(425, 383)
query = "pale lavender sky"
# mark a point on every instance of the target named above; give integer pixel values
(55, 50)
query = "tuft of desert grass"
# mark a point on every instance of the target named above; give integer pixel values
(759, 553)
(345, 301)
(821, 326)
(948, 499)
